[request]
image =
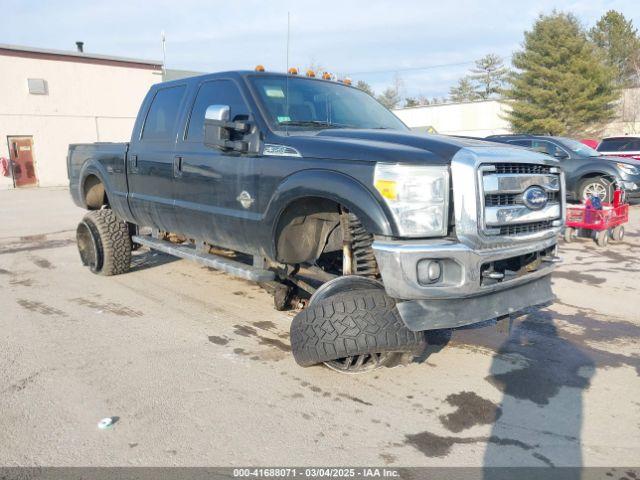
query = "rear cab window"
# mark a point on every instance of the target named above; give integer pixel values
(162, 118)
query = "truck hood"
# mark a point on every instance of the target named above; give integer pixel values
(392, 146)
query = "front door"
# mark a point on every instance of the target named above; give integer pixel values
(216, 191)
(22, 162)
(150, 162)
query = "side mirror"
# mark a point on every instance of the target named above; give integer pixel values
(220, 133)
(560, 155)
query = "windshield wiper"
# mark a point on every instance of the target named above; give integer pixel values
(312, 123)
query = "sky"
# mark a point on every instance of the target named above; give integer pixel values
(428, 44)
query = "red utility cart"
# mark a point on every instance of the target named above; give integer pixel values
(602, 224)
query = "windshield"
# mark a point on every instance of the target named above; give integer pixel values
(578, 147)
(316, 104)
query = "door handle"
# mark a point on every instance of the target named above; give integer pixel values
(177, 166)
(133, 163)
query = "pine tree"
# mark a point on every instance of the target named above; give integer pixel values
(390, 98)
(464, 91)
(489, 76)
(365, 87)
(411, 102)
(563, 85)
(619, 39)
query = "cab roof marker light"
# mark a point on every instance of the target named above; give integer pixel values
(326, 76)
(293, 71)
(259, 68)
(311, 73)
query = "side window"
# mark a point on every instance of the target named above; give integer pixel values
(543, 146)
(162, 117)
(521, 143)
(217, 92)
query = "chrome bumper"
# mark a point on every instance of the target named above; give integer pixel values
(459, 298)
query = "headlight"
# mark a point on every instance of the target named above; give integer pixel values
(418, 196)
(628, 169)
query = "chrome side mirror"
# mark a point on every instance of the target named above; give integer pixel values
(217, 112)
(221, 133)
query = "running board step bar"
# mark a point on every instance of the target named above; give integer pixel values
(232, 267)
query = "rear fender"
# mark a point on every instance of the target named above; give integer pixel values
(117, 200)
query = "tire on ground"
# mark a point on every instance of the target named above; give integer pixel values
(351, 323)
(111, 240)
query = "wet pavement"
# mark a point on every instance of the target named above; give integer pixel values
(197, 367)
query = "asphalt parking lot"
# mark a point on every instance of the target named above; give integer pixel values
(197, 367)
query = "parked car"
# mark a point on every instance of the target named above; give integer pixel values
(587, 171)
(589, 142)
(327, 196)
(625, 146)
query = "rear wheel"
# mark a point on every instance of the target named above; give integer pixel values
(618, 233)
(104, 242)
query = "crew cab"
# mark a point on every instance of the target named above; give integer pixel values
(588, 172)
(321, 194)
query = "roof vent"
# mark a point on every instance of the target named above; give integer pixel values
(80, 46)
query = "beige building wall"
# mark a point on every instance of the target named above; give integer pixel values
(479, 119)
(85, 102)
(475, 119)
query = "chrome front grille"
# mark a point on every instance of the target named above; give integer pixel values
(525, 168)
(498, 200)
(507, 209)
(525, 228)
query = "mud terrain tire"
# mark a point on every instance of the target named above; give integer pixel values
(104, 243)
(348, 324)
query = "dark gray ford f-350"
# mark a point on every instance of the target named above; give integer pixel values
(319, 193)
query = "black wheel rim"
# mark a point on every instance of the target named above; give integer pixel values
(360, 363)
(87, 246)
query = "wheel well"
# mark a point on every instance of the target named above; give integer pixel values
(94, 193)
(306, 229)
(595, 175)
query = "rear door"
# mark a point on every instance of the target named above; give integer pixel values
(216, 191)
(151, 160)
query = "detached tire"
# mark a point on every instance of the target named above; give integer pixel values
(104, 243)
(361, 325)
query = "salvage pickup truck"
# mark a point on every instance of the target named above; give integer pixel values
(319, 193)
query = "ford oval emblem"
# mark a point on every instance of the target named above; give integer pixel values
(535, 198)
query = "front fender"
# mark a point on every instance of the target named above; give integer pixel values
(591, 170)
(334, 186)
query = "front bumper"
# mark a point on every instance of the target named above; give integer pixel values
(461, 296)
(631, 188)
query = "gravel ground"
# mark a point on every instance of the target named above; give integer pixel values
(197, 368)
